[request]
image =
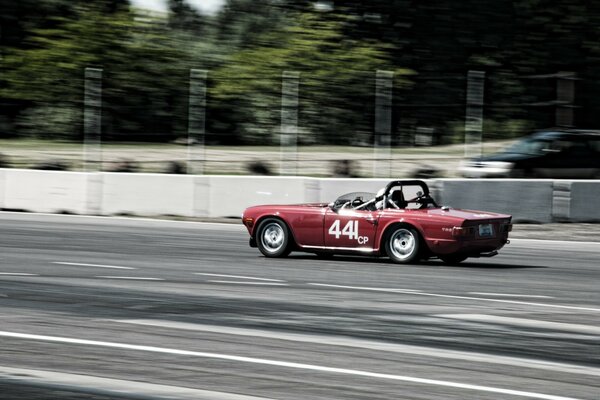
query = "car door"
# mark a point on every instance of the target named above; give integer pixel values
(568, 159)
(350, 229)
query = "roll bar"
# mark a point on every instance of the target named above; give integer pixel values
(412, 182)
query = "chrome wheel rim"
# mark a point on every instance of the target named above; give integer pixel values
(402, 244)
(273, 237)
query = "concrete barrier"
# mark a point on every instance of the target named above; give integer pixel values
(584, 201)
(46, 191)
(561, 201)
(525, 200)
(202, 196)
(147, 194)
(230, 195)
(332, 188)
(2, 188)
(227, 196)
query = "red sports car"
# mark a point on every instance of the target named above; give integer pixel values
(402, 222)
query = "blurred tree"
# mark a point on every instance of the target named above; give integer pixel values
(183, 17)
(520, 45)
(337, 83)
(144, 75)
(241, 23)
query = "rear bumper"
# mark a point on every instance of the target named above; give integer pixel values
(470, 247)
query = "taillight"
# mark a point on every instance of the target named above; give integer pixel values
(461, 231)
(507, 228)
(248, 221)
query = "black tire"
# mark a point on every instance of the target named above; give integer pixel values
(273, 238)
(402, 245)
(453, 259)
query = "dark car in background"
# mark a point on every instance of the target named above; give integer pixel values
(562, 154)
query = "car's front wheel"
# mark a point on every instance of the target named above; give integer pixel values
(273, 238)
(402, 245)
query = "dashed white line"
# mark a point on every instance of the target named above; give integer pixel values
(238, 277)
(133, 278)
(448, 296)
(251, 283)
(287, 364)
(525, 296)
(374, 289)
(90, 265)
(549, 241)
(17, 274)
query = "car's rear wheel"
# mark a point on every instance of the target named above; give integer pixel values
(453, 259)
(273, 238)
(402, 245)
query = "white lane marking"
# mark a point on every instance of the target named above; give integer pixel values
(448, 296)
(285, 364)
(549, 241)
(133, 278)
(531, 296)
(17, 274)
(251, 283)
(372, 345)
(239, 277)
(374, 289)
(235, 223)
(90, 265)
(525, 323)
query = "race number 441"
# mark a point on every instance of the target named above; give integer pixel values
(350, 230)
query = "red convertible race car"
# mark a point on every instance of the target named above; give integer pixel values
(402, 222)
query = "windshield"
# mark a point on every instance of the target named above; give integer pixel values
(528, 146)
(358, 197)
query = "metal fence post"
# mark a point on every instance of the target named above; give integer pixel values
(289, 123)
(565, 97)
(92, 119)
(197, 122)
(474, 113)
(382, 140)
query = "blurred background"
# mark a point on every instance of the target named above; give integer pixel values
(289, 86)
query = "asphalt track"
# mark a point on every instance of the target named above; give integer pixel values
(117, 309)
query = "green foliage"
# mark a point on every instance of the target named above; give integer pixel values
(45, 45)
(50, 121)
(337, 82)
(144, 74)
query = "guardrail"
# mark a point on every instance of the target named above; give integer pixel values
(537, 200)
